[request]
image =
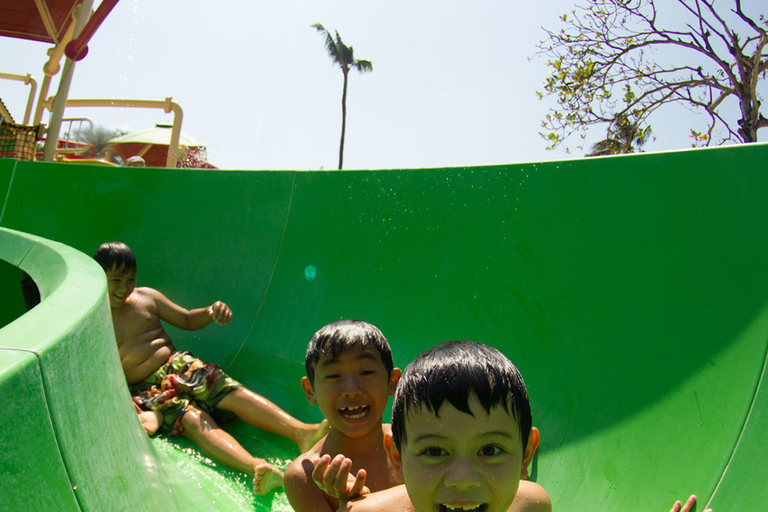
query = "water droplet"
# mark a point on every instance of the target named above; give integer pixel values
(310, 273)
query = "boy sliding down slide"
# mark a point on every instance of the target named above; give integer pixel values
(350, 376)
(460, 421)
(179, 393)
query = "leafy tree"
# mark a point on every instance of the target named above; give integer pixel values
(624, 136)
(624, 59)
(344, 56)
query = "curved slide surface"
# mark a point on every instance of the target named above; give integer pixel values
(631, 291)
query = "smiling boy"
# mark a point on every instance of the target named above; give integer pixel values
(462, 429)
(350, 377)
(179, 393)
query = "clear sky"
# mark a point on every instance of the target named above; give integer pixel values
(453, 82)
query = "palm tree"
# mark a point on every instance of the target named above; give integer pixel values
(624, 136)
(344, 56)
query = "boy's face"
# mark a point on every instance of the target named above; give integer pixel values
(120, 284)
(352, 390)
(462, 462)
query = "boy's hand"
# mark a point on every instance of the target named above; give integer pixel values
(220, 312)
(333, 478)
(688, 507)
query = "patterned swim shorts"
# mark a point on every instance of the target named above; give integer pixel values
(182, 381)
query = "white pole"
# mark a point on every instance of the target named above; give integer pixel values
(28, 80)
(168, 105)
(57, 111)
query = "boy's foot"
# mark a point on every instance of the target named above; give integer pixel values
(150, 420)
(266, 477)
(309, 436)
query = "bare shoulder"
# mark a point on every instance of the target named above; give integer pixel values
(302, 492)
(299, 472)
(394, 499)
(148, 293)
(150, 297)
(531, 497)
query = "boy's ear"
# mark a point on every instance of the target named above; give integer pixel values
(394, 377)
(530, 450)
(394, 456)
(308, 391)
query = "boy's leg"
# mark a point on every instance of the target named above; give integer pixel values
(199, 427)
(259, 412)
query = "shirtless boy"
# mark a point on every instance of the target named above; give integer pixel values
(179, 393)
(350, 376)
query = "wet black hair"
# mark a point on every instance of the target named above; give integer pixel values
(115, 255)
(453, 371)
(337, 337)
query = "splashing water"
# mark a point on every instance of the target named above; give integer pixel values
(190, 479)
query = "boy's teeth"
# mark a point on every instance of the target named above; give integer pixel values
(462, 507)
(353, 412)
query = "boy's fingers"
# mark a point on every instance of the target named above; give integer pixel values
(358, 488)
(336, 476)
(326, 471)
(340, 483)
(333, 476)
(220, 312)
(676, 507)
(689, 504)
(320, 466)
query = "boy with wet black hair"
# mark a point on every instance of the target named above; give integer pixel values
(179, 393)
(350, 376)
(337, 337)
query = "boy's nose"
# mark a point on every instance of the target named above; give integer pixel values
(462, 475)
(351, 387)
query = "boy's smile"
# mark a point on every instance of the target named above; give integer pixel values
(120, 285)
(459, 461)
(352, 390)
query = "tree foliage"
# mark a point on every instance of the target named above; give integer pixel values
(100, 136)
(344, 56)
(624, 136)
(624, 59)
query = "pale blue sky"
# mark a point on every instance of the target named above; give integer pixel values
(453, 82)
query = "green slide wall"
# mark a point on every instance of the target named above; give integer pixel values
(631, 291)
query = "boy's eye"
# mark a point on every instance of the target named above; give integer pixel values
(332, 376)
(490, 450)
(433, 451)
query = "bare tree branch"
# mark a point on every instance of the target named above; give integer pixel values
(610, 58)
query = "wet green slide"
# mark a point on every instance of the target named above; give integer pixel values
(631, 291)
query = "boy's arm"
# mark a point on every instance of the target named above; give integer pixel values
(333, 476)
(191, 320)
(394, 499)
(300, 489)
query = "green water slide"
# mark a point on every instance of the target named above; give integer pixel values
(631, 291)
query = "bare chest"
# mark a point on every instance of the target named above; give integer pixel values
(136, 324)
